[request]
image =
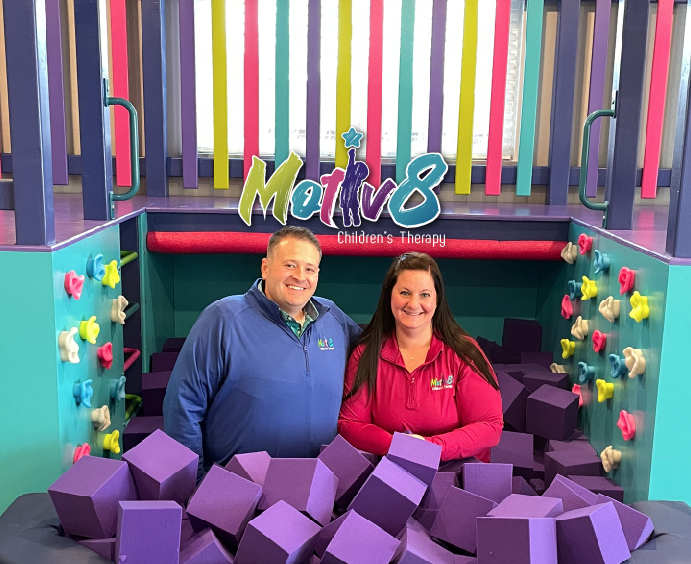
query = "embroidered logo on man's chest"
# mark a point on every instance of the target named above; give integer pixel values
(442, 383)
(325, 344)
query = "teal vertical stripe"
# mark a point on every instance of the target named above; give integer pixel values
(405, 89)
(526, 146)
(282, 80)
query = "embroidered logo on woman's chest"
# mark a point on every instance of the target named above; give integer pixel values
(442, 383)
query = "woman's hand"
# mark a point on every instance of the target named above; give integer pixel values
(418, 437)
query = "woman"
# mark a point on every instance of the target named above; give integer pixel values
(415, 370)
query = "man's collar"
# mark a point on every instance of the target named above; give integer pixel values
(310, 309)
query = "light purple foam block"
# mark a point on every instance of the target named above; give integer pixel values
(102, 547)
(551, 413)
(492, 481)
(327, 534)
(528, 507)
(162, 468)
(280, 535)
(516, 449)
(417, 548)
(225, 502)
(252, 466)
(420, 458)
(442, 483)
(456, 519)
(148, 532)
(305, 483)
(86, 496)
(163, 361)
(534, 380)
(359, 541)
(521, 487)
(571, 494)
(514, 397)
(205, 548)
(575, 462)
(542, 358)
(591, 534)
(389, 496)
(349, 466)
(637, 527)
(521, 335)
(600, 485)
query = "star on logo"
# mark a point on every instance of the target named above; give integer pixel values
(352, 138)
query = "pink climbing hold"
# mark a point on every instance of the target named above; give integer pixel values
(577, 390)
(84, 450)
(599, 341)
(105, 355)
(627, 425)
(74, 284)
(626, 280)
(566, 307)
(585, 243)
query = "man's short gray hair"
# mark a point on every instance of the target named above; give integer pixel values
(300, 233)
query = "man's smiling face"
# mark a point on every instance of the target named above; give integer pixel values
(290, 274)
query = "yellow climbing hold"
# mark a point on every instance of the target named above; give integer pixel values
(88, 330)
(588, 289)
(567, 348)
(111, 277)
(111, 442)
(604, 390)
(639, 307)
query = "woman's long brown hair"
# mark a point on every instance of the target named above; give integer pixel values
(444, 325)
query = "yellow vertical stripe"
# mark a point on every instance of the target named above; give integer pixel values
(218, 38)
(345, 36)
(466, 109)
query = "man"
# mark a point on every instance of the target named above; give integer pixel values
(263, 371)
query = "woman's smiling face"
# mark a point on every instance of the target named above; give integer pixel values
(413, 299)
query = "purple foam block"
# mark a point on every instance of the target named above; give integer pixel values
(517, 370)
(571, 494)
(163, 361)
(413, 525)
(663, 549)
(489, 348)
(420, 458)
(86, 496)
(162, 468)
(575, 462)
(460, 559)
(389, 496)
(148, 532)
(668, 517)
(205, 549)
(551, 413)
(570, 445)
(359, 541)
(514, 396)
(252, 466)
(534, 380)
(349, 466)
(138, 429)
(456, 519)
(521, 335)
(538, 485)
(542, 358)
(102, 547)
(426, 517)
(538, 465)
(591, 534)
(456, 465)
(417, 548)
(577, 436)
(154, 386)
(173, 344)
(528, 507)
(280, 535)
(315, 559)
(373, 458)
(637, 527)
(492, 481)
(600, 485)
(327, 534)
(305, 483)
(186, 532)
(521, 487)
(516, 449)
(434, 497)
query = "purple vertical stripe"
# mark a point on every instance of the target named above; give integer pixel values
(597, 87)
(188, 102)
(436, 77)
(58, 137)
(313, 90)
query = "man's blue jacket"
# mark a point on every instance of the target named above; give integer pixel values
(244, 382)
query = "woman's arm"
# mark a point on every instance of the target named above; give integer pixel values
(355, 419)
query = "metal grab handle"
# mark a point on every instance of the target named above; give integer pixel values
(584, 164)
(134, 146)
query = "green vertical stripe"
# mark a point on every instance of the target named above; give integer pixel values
(282, 80)
(526, 146)
(405, 89)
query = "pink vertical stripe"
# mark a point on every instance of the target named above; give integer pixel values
(251, 83)
(496, 108)
(374, 88)
(121, 89)
(658, 93)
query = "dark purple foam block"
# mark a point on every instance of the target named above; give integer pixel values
(186, 533)
(538, 485)
(521, 487)
(420, 458)
(600, 485)
(154, 392)
(280, 534)
(455, 522)
(543, 358)
(521, 335)
(514, 397)
(102, 547)
(138, 428)
(434, 497)
(492, 481)
(637, 527)
(225, 502)
(571, 494)
(571, 445)
(163, 361)
(252, 466)
(507, 540)
(517, 370)
(668, 517)
(86, 496)
(148, 532)
(551, 413)
(389, 497)
(359, 541)
(515, 449)
(174, 344)
(205, 549)
(456, 466)
(591, 534)
(349, 466)
(305, 483)
(162, 468)
(571, 462)
(533, 380)
(416, 548)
